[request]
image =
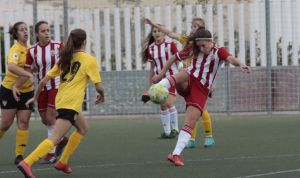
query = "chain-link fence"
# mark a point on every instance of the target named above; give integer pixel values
(235, 92)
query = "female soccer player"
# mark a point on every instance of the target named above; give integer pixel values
(75, 68)
(42, 56)
(196, 83)
(183, 39)
(11, 108)
(157, 50)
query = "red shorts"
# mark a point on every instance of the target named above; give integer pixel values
(196, 94)
(46, 99)
(172, 91)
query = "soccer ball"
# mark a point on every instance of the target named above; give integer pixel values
(158, 93)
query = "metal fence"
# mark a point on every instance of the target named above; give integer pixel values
(235, 92)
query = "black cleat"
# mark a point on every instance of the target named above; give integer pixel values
(145, 97)
(166, 136)
(174, 133)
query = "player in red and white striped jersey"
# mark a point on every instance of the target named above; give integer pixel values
(194, 84)
(197, 23)
(158, 50)
(41, 57)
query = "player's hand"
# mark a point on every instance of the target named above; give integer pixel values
(99, 99)
(148, 21)
(16, 93)
(245, 68)
(28, 102)
(157, 78)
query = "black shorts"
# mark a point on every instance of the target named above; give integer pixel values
(67, 114)
(8, 101)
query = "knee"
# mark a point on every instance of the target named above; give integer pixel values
(172, 108)
(55, 140)
(83, 131)
(5, 124)
(4, 127)
(164, 106)
(23, 124)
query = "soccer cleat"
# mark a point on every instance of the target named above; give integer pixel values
(166, 136)
(191, 144)
(174, 132)
(50, 158)
(18, 159)
(25, 169)
(63, 167)
(209, 141)
(177, 160)
(145, 97)
(60, 146)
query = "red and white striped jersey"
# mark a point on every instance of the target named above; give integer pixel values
(43, 59)
(159, 54)
(205, 67)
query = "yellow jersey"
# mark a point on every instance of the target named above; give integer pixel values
(183, 39)
(16, 55)
(71, 92)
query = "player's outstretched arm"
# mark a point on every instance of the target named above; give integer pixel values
(234, 61)
(18, 70)
(163, 29)
(100, 90)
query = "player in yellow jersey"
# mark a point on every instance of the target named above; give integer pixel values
(11, 108)
(75, 68)
(184, 40)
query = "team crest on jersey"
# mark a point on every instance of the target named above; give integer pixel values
(52, 52)
(15, 56)
(4, 102)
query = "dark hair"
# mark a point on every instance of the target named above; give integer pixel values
(37, 26)
(74, 42)
(149, 39)
(13, 31)
(200, 33)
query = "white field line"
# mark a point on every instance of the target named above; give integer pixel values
(165, 162)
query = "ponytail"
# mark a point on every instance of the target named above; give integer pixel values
(74, 42)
